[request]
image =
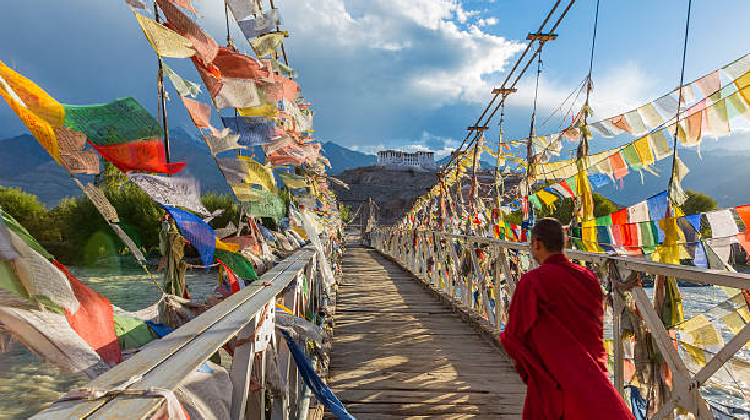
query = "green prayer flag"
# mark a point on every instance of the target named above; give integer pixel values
(269, 205)
(604, 220)
(647, 235)
(131, 333)
(631, 157)
(120, 121)
(237, 263)
(533, 199)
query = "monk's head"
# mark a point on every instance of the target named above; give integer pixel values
(546, 239)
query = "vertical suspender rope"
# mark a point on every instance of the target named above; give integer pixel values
(162, 99)
(679, 110)
(529, 147)
(583, 147)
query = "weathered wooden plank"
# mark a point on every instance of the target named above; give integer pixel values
(399, 352)
(158, 351)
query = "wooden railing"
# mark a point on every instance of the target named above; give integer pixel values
(479, 265)
(165, 363)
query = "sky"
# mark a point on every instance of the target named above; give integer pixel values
(390, 73)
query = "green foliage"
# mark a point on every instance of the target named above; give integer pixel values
(214, 202)
(29, 212)
(697, 203)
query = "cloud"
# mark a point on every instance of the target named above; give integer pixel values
(488, 22)
(379, 69)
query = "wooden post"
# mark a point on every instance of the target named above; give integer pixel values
(453, 267)
(256, 409)
(619, 367)
(241, 371)
(499, 301)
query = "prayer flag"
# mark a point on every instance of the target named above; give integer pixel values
(234, 170)
(293, 181)
(259, 174)
(142, 155)
(650, 116)
(718, 120)
(658, 205)
(41, 108)
(120, 121)
(283, 70)
(638, 212)
(644, 151)
(269, 205)
(185, 4)
(232, 64)
(183, 86)
(709, 83)
(237, 93)
(205, 46)
(601, 129)
(173, 191)
(267, 22)
(738, 67)
(196, 231)
(619, 168)
(223, 141)
(722, 223)
(227, 246)
(199, 112)
(234, 284)
(636, 123)
(242, 9)
(667, 104)
(630, 154)
(267, 111)
(166, 42)
(251, 133)
(659, 144)
(93, 320)
(266, 44)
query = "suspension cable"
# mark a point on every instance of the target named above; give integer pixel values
(679, 109)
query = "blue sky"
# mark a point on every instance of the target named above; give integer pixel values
(388, 73)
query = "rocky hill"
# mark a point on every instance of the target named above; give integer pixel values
(394, 191)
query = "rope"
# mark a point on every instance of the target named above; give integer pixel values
(679, 106)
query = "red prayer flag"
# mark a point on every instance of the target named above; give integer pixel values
(234, 284)
(94, 320)
(140, 155)
(238, 66)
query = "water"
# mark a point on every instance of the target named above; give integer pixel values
(28, 384)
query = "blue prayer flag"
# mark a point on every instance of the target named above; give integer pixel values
(196, 231)
(252, 131)
(658, 205)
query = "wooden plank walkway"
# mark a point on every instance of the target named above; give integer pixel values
(398, 352)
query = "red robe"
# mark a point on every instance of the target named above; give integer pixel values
(554, 334)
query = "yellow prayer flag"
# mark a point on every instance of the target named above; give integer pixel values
(39, 128)
(246, 192)
(231, 247)
(32, 97)
(696, 353)
(266, 44)
(166, 42)
(268, 111)
(259, 174)
(734, 321)
(546, 197)
(702, 331)
(644, 151)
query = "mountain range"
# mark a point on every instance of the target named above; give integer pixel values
(26, 165)
(718, 173)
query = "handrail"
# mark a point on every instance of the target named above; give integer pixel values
(451, 264)
(165, 363)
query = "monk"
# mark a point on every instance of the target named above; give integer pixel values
(554, 334)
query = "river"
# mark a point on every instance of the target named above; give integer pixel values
(27, 384)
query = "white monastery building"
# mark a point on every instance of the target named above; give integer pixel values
(398, 159)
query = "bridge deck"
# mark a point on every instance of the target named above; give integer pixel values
(398, 352)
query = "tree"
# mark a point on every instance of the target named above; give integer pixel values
(29, 212)
(697, 203)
